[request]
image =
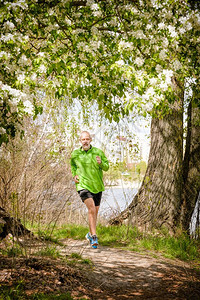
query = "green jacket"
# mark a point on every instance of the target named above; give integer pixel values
(84, 164)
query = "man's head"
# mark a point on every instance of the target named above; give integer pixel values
(85, 140)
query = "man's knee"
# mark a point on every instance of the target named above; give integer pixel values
(89, 202)
(92, 210)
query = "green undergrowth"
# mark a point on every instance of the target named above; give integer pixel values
(180, 246)
(18, 293)
(55, 234)
(75, 258)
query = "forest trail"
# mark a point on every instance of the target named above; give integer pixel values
(100, 274)
(121, 274)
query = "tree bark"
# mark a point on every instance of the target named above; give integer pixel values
(191, 166)
(10, 225)
(157, 202)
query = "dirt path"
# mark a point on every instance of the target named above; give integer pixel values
(113, 275)
(119, 274)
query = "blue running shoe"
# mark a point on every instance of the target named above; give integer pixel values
(89, 238)
(94, 242)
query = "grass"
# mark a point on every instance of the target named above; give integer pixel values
(75, 258)
(180, 246)
(54, 233)
(17, 293)
(49, 251)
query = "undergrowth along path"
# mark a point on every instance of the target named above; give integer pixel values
(122, 274)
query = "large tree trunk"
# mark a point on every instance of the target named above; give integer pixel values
(157, 202)
(191, 166)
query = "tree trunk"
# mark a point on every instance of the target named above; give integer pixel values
(10, 225)
(157, 202)
(191, 166)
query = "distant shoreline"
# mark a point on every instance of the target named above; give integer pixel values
(121, 184)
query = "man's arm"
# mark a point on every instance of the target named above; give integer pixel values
(104, 164)
(73, 166)
(73, 170)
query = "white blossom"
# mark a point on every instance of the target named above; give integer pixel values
(3, 53)
(90, 2)
(167, 74)
(198, 17)
(9, 25)
(149, 93)
(163, 85)
(177, 65)
(183, 20)
(120, 63)
(161, 25)
(94, 6)
(68, 21)
(162, 54)
(15, 101)
(28, 107)
(20, 3)
(159, 69)
(81, 56)
(113, 22)
(41, 54)
(139, 34)
(80, 46)
(21, 78)
(182, 30)
(7, 37)
(148, 106)
(51, 12)
(172, 31)
(102, 68)
(95, 44)
(33, 76)
(2, 130)
(153, 81)
(165, 43)
(139, 61)
(25, 38)
(13, 92)
(23, 60)
(95, 30)
(149, 26)
(125, 45)
(74, 64)
(97, 13)
(42, 69)
(188, 26)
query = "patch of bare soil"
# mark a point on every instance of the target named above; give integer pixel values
(120, 274)
(114, 275)
(41, 275)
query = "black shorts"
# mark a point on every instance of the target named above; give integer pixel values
(85, 194)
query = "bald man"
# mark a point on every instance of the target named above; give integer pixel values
(87, 166)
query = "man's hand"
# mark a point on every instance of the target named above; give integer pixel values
(76, 179)
(98, 158)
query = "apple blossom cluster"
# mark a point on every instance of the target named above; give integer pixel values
(17, 4)
(16, 97)
(98, 50)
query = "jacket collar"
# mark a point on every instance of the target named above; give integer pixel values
(86, 150)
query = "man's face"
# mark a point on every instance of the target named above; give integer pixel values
(85, 140)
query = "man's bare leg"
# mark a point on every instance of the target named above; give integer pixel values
(92, 214)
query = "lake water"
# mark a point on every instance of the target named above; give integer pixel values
(116, 199)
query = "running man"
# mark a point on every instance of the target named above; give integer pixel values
(87, 166)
